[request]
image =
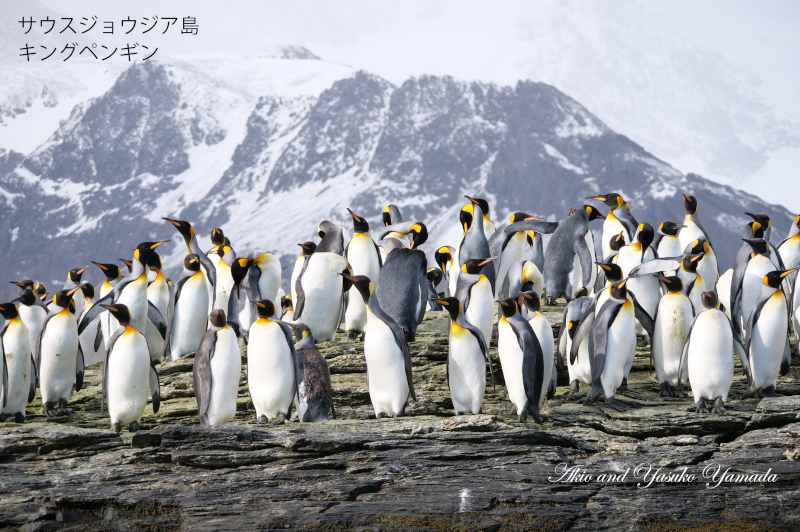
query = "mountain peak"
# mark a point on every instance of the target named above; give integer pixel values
(284, 51)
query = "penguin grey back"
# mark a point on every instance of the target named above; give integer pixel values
(567, 240)
(401, 286)
(475, 246)
(333, 239)
(316, 384)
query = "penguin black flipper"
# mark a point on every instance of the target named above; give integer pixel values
(5, 371)
(98, 337)
(298, 289)
(655, 266)
(104, 380)
(155, 387)
(647, 321)
(581, 249)
(685, 352)
(423, 285)
(561, 347)
(786, 361)
(109, 299)
(34, 372)
(538, 251)
(380, 263)
(537, 226)
(532, 363)
(585, 327)
(739, 269)
(602, 323)
(79, 366)
(253, 292)
(751, 322)
(629, 227)
(202, 373)
(739, 350)
(155, 317)
(298, 374)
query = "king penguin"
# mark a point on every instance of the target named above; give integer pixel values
(616, 221)
(544, 333)
(789, 251)
(389, 378)
(522, 361)
(92, 338)
(272, 376)
(73, 280)
(187, 310)
(673, 318)
(578, 367)
(334, 238)
(474, 244)
(746, 291)
(667, 243)
(445, 259)
(59, 358)
(508, 244)
(193, 248)
(476, 296)
(467, 358)
(691, 231)
(391, 216)
(708, 355)
(19, 369)
(224, 286)
(128, 374)
(314, 398)
(33, 313)
(488, 225)
(318, 289)
(364, 258)
(646, 288)
(536, 242)
(158, 294)
(217, 368)
(113, 275)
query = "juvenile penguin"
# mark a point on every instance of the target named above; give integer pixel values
(187, 310)
(92, 338)
(673, 318)
(19, 370)
(158, 295)
(522, 361)
(616, 221)
(544, 333)
(389, 378)
(319, 294)
(217, 368)
(33, 313)
(364, 258)
(128, 374)
(765, 337)
(476, 296)
(467, 358)
(314, 398)
(59, 358)
(272, 376)
(578, 366)
(708, 355)
(691, 231)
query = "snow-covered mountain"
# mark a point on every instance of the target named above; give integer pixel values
(267, 147)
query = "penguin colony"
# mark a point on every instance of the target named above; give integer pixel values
(659, 284)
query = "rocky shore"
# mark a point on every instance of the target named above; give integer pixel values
(429, 470)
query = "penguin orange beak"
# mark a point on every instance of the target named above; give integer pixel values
(349, 277)
(109, 307)
(80, 272)
(789, 272)
(532, 218)
(73, 290)
(440, 301)
(663, 279)
(527, 296)
(18, 283)
(154, 246)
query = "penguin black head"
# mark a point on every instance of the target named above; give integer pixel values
(508, 306)
(593, 213)
(325, 227)
(759, 245)
(753, 230)
(797, 222)
(145, 249)
(572, 328)
(619, 290)
(360, 225)
(669, 228)
(27, 283)
(362, 284)
(120, 312)
(775, 278)
(72, 307)
(617, 242)
(217, 317)
(391, 215)
(690, 263)
(26, 297)
(442, 256)
(689, 205)
(645, 236)
(265, 308)
(184, 228)
(612, 199)
(520, 216)
(239, 271)
(127, 263)
(286, 303)
(435, 276)
(308, 248)
(482, 203)
(698, 246)
(531, 300)
(63, 298)
(474, 266)
(465, 216)
(191, 262)
(75, 274)
(301, 332)
(710, 299)
(673, 283)
(761, 219)
(9, 311)
(451, 305)
(111, 271)
(529, 238)
(419, 235)
(154, 262)
(217, 236)
(227, 241)
(40, 290)
(88, 290)
(613, 271)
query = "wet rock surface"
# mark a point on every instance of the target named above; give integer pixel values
(428, 470)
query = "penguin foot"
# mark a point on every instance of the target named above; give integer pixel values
(664, 390)
(719, 406)
(280, 420)
(352, 335)
(459, 413)
(134, 426)
(261, 419)
(116, 426)
(769, 391)
(678, 391)
(521, 418)
(701, 406)
(397, 415)
(19, 417)
(642, 341)
(592, 396)
(64, 409)
(380, 415)
(624, 385)
(616, 405)
(574, 388)
(49, 410)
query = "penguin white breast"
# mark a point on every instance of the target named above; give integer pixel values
(512, 254)
(480, 312)
(621, 337)
(388, 385)
(134, 296)
(58, 357)
(270, 371)
(669, 246)
(363, 260)
(158, 294)
(690, 233)
(226, 368)
(671, 328)
(511, 362)
(724, 290)
(270, 280)
(768, 340)
(190, 319)
(128, 377)
(710, 356)
(33, 317)
(467, 368)
(757, 268)
(224, 286)
(322, 287)
(16, 345)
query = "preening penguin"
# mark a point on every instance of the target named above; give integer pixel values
(286, 308)
(434, 276)
(389, 378)
(259, 273)
(391, 216)
(535, 241)
(314, 398)
(187, 310)
(59, 359)
(673, 318)
(113, 275)
(19, 370)
(128, 374)
(334, 238)
(578, 366)
(616, 221)
(445, 258)
(217, 240)
(523, 276)
(467, 358)
(691, 231)
(272, 375)
(646, 288)
(522, 361)
(708, 355)
(319, 294)
(217, 368)
(92, 338)
(544, 333)
(364, 258)
(475, 294)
